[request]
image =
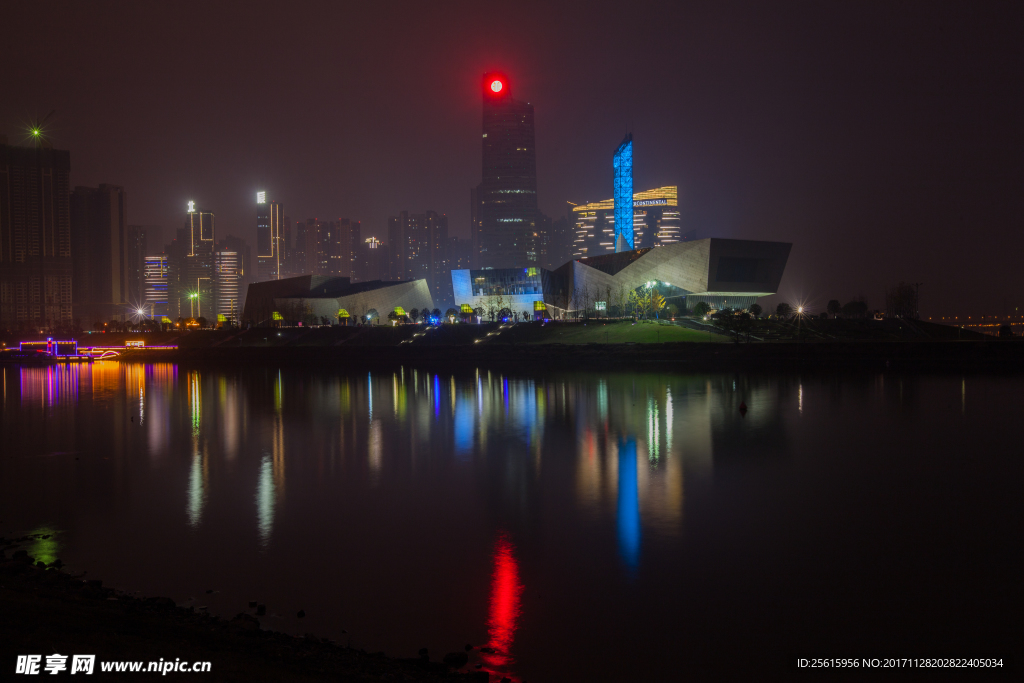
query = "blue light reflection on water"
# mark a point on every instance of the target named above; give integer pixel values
(628, 505)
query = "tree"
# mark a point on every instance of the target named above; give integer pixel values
(504, 314)
(834, 308)
(823, 315)
(414, 314)
(901, 301)
(372, 314)
(701, 309)
(202, 322)
(657, 301)
(755, 310)
(436, 313)
(783, 310)
(855, 309)
(392, 316)
(450, 314)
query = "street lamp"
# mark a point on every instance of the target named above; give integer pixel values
(192, 297)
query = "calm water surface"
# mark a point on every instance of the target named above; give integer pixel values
(586, 526)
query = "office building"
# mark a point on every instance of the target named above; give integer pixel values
(244, 269)
(227, 269)
(504, 206)
(419, 249)
(654, 223)
(372, 261)
(155, 296)
(269, 241)
(35, 237)
(143, 241)
(101, 257)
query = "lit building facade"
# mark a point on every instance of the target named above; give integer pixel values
(655, 223)
(504, 206)
(227, 280)
(143, 241)
(269, 241)
(622, 165)
(155, 298)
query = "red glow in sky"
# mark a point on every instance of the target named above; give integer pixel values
(505, 592)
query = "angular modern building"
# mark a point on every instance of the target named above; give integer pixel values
(724, 273)
(307, 298)
(503, 207)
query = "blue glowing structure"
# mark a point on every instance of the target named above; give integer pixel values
(622, 162)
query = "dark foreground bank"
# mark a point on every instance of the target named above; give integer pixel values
(44, 611)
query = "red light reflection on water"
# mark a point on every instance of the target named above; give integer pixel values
(505, 604)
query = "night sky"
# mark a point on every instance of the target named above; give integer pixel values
(884, 140)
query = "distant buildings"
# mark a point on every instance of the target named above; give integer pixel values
(35, 237)
(503, 208)
(100, 253)
(419, 249)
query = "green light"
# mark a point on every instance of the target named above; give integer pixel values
(35, 131)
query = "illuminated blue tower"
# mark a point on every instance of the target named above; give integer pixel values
(622, 162)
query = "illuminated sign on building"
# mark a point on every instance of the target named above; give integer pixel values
(261, 197)
(191, 207)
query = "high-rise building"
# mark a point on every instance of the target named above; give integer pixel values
(155, 298)
(460, 253)
(194, 289)
(101, 256)
(268, 238)
(143, 241)
(419, 249)
(35, 237)
(372, 261)
(227, 268)
(654, 223)
(244, 269)
(504, 205)
(622, 194)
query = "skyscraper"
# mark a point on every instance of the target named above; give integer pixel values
(100, 254)
(155, 297)
(196, 271)
(268, 238)
(622, 165)
(143, 241)
(419, 249)
(504, 211)
(35, 237)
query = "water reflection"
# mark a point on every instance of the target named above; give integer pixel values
(629, 505)
(506, 591)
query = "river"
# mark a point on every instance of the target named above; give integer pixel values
(583, 525)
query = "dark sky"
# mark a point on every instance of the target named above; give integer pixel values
(884, 140)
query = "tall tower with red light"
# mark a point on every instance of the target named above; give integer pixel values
(504, 205)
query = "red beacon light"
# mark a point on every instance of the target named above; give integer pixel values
(496, 86)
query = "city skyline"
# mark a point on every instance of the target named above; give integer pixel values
(881, 134)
